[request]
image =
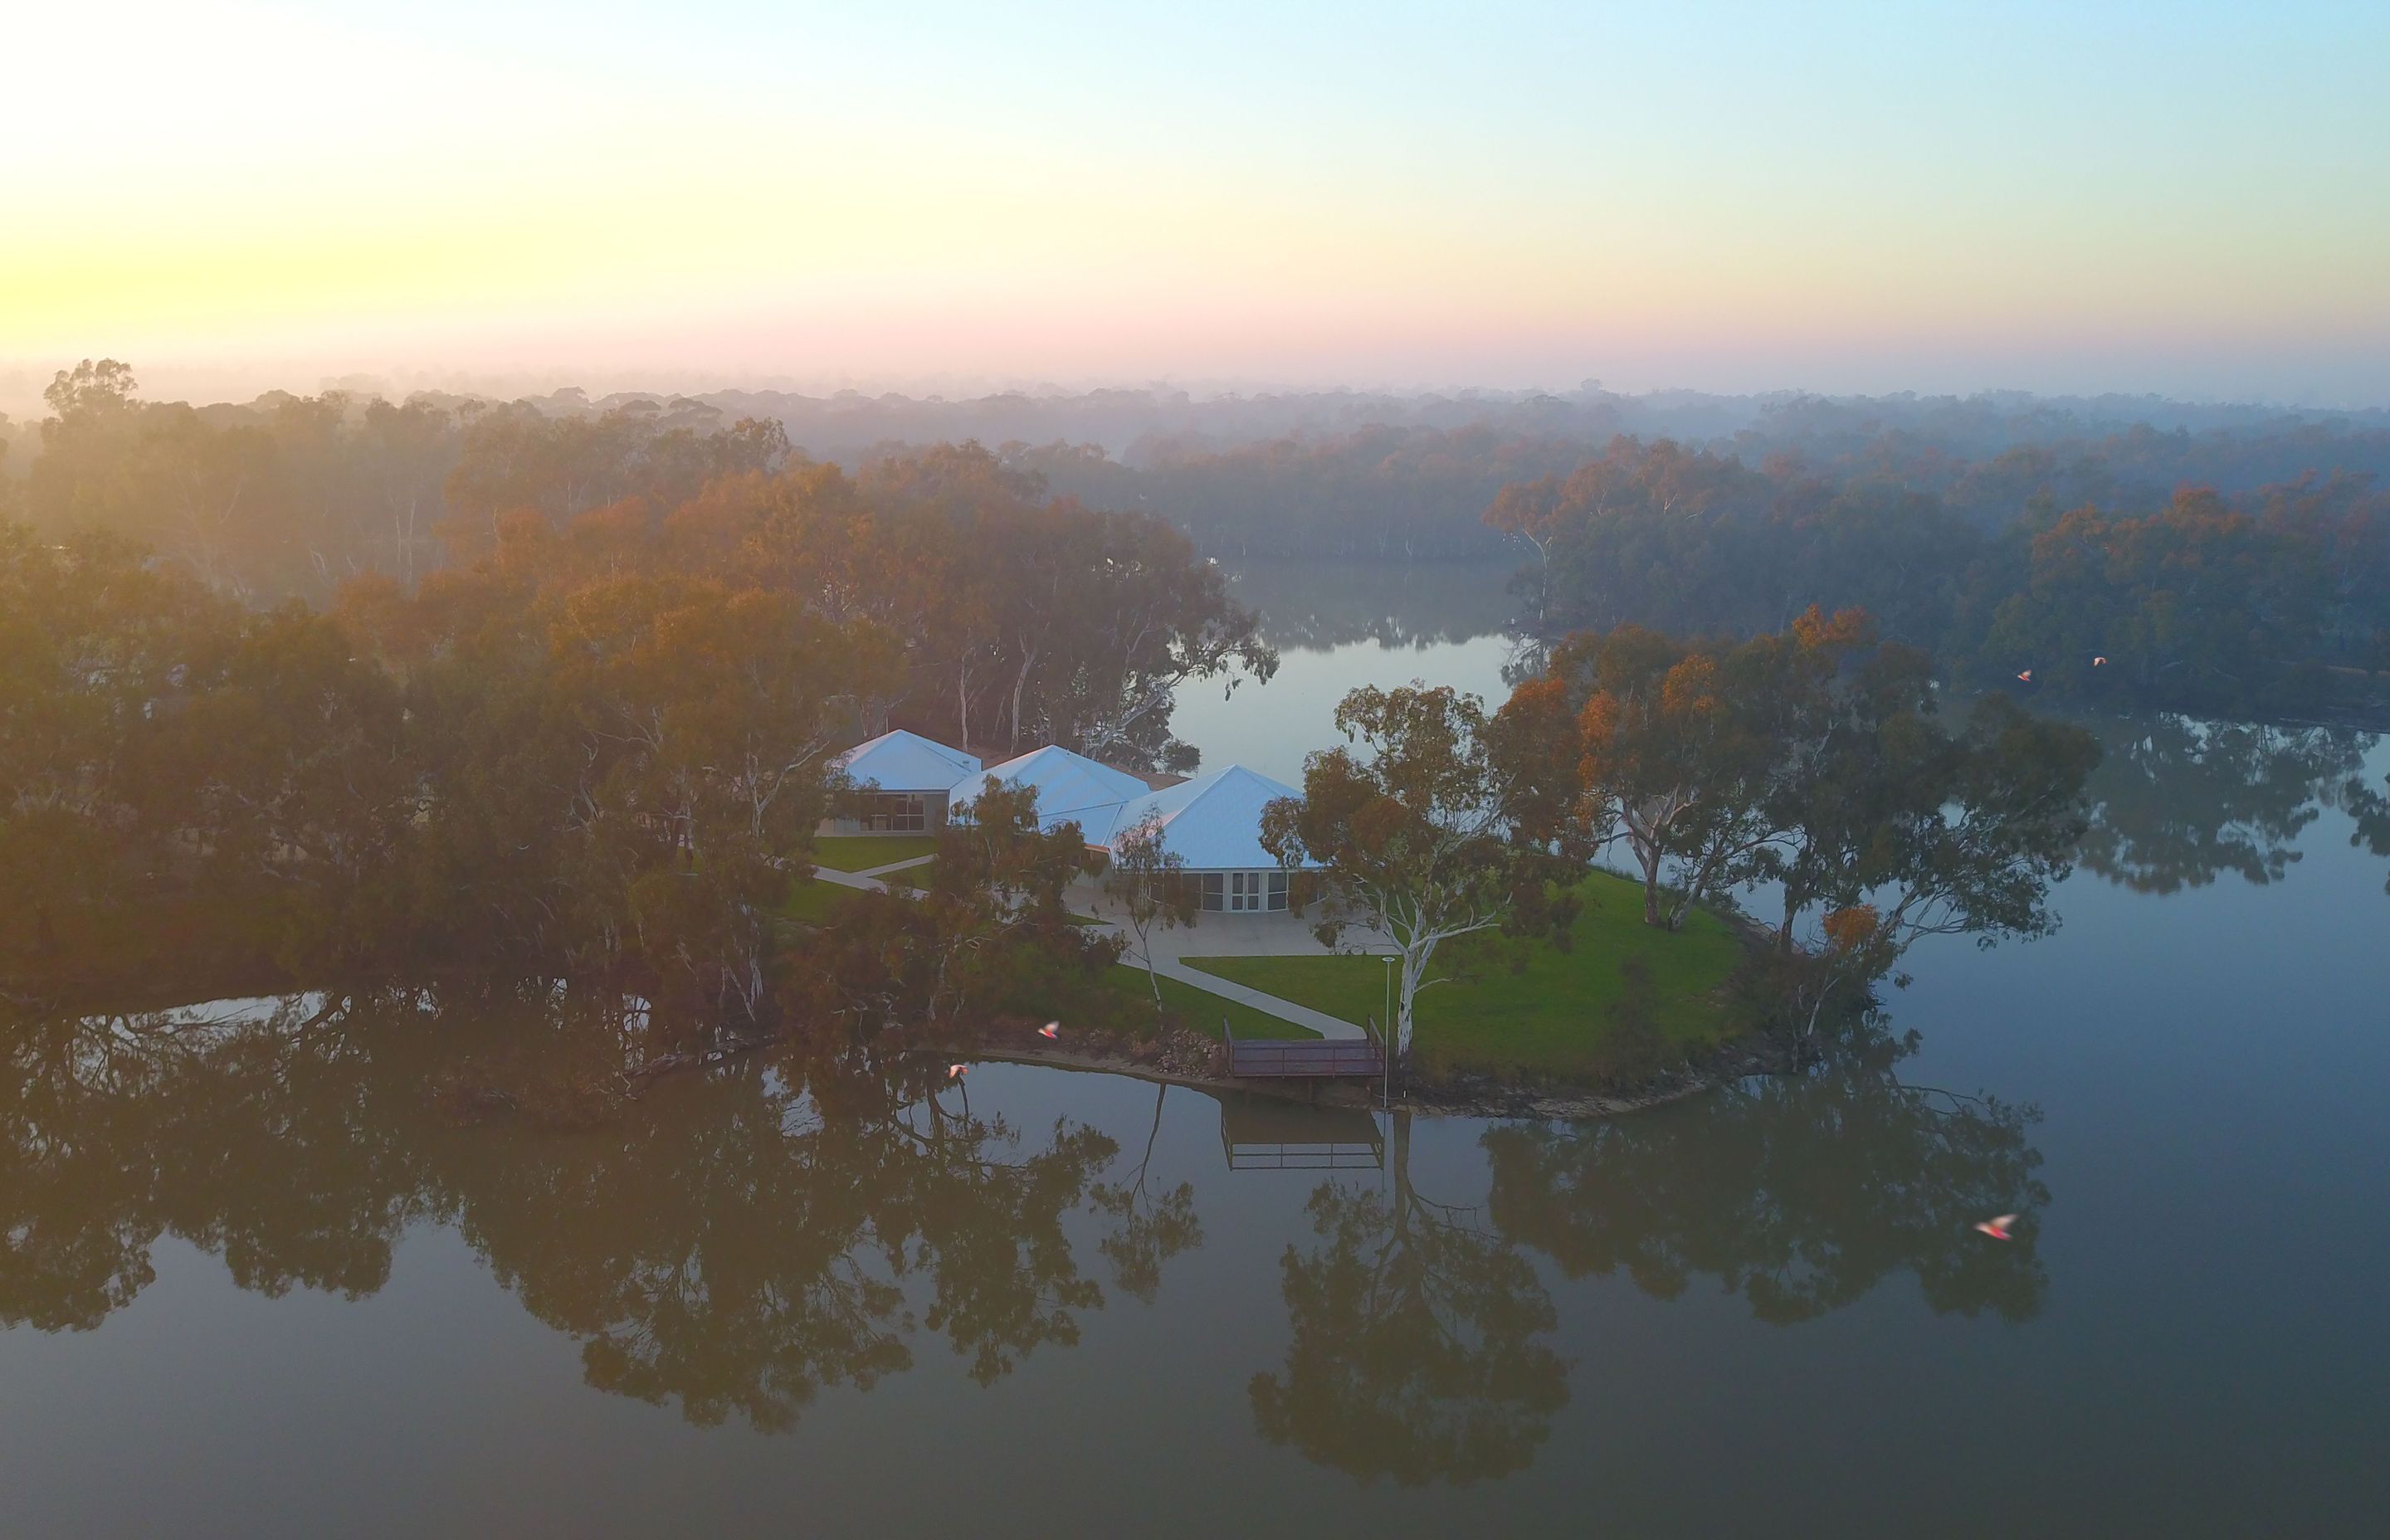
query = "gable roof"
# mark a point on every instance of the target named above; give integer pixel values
(1071, 789)
(1210, 822)
(906, 761)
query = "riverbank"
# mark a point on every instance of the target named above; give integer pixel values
(1625, 1017)
(1178, 1056)
(1460, 1099)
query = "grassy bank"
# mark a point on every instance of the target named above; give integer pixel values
(1556, 1018)
(1197, 1009)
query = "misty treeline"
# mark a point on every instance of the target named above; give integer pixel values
(1042, 622)
(590, 744)
(287, 495)
(2220, 558)
(2240, 604)
(1378, 494)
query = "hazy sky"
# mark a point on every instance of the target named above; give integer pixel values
(2184, 198)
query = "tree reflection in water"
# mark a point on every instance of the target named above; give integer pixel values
(732, 1245)
(2369, 806)
(2178, 802)
(1308, 605)
(116, 1129)
(1417, 1350)
(1154, 1226)
(1798, 1195)
(740, 1252)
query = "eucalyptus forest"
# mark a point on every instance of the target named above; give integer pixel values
(489, 746)
(320, 688)
(1188, 771)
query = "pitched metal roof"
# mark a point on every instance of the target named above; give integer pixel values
(1212, 822)
(906, 761)
(1071, 789)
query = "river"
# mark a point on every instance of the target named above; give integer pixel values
(265, 1274)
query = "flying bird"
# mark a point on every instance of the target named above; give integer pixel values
(956, 1072)
(1998, 1228)
(2100, 662)
(2026, 676)
(1051, 1029)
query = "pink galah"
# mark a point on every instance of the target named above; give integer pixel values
(1050, 1030)
(2100, 662)
(956, 1072)
(2026, 676)
(1998, 1228)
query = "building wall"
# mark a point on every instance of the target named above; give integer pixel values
(1266, 891)
(897, 813)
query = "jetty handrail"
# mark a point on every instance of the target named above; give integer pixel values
(1306, 1057)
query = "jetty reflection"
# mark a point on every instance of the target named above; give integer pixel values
(1265, 1133)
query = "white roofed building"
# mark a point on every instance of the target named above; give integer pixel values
(1212, 824)
(907, 777)
(1071, 789)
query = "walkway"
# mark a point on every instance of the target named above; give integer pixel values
(1213, 936)
(1228, 989)
(894, 867)
(868, 878)
(1230, 935)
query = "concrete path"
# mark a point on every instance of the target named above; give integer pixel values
(837, 879)
(894, 867)
(1232, 935)
(1213, 936)
(1268, 1004)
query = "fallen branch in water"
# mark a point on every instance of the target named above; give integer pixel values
(638, 1080)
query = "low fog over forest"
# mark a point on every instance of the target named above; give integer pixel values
(2227, 557)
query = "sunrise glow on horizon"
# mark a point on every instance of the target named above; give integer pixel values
(2174, 198)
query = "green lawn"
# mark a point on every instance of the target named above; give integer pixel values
(1550, 1019)
(1201, 1009)
(854, 852)
(815, 902)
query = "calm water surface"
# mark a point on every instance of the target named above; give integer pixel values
(256, 1279)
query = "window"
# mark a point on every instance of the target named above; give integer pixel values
(1242, 892)
(897, 813)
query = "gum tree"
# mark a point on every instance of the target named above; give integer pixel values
(1147, 879)
(1415, 833)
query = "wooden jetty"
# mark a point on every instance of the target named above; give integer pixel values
(1307, 1059)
